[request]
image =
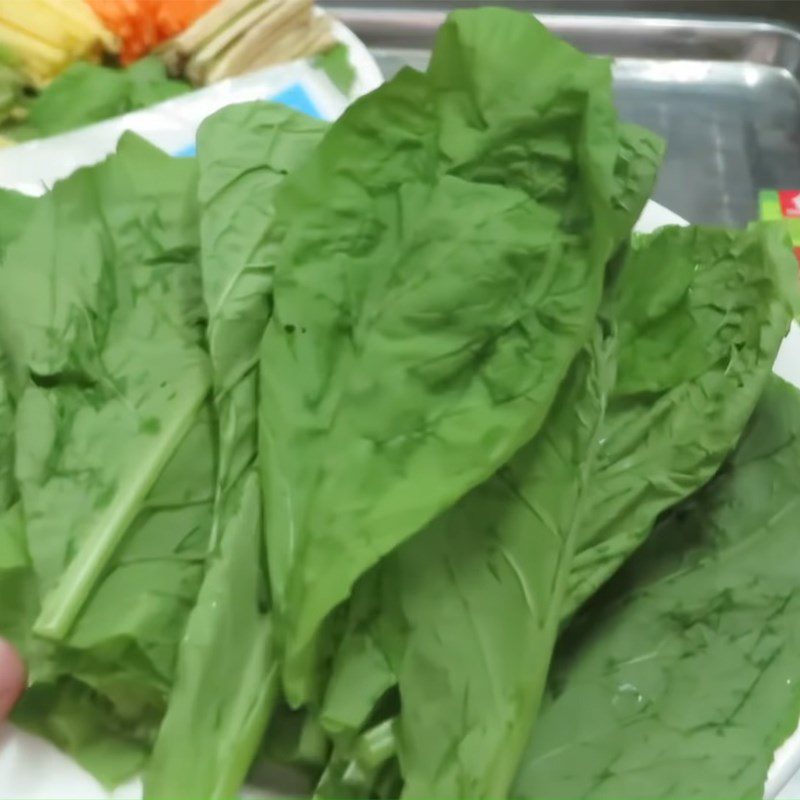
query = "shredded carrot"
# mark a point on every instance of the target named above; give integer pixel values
(141, 25)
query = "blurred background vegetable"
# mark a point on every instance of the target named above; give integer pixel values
(48, 35)
(87, 93)
(69, 63)
(237, 36)
(141, 25)
(12, 84)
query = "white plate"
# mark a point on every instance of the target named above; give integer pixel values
(32, 769)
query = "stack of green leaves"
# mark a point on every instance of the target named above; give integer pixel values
(315, 449)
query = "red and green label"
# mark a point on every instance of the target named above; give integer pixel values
(783, 205)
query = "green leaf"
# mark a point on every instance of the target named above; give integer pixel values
(87, 93)
(468, 611)
(442, 269)
(116, 450)
(110, 675)
(15, 209)
(65, 711)
(124, 643)
(470, 608)
(682, 678)
(17, 581)
(8, 489)
(701, 314)
(244, 153)
(149, 84)
(80, 723)
(220, 705)
(336, 65)
(106, 272)
(226, 682)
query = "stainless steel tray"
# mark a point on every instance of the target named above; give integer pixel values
(724, 93)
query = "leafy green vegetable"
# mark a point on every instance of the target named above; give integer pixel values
(86, 93)
(469, 610)
(468, 683)
(427, 313)
(124, 642)
(329, 433)
(109, 676)
(682, 679)
(227, 681)
(336, 65)
(16, 208)
(78, 722)
(116, 467)
(701, 314)
(17, 583)
(111, 342)
(244, 152)
(7, 483)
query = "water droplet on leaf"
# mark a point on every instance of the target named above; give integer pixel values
(627, 700)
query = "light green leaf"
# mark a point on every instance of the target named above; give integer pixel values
(226, 683)
(244, 153)
(336, 65)
(117, 466)
(220, 705)
(110, 341)
(80, 723)
(15, 209)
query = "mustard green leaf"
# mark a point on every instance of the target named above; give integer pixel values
(467, 612)
(119, 657)
(226, 682)
(220, 706)
(701, 314)
(82, 724)
(442, 266)
(475, 603)
(115, 449)
(17, 581)
(681, 679)
(15, 208)
(244, 153)
(124, 642)
(8, 490)
(107, 357)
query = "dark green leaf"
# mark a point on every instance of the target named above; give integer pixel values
(467, 612)
(442, 267)
(701, 314)
(682, 679)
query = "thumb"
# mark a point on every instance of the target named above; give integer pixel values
(12, 678)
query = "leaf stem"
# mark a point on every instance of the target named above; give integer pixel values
(62, 605)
